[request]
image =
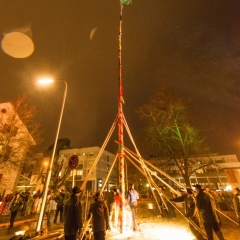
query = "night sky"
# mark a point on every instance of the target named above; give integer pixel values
(191, 47)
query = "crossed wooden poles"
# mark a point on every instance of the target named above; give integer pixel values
(146, 172)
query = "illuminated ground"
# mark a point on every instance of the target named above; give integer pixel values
(153, 227)
(152, 231)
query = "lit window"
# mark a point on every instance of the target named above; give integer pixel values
(199, 171)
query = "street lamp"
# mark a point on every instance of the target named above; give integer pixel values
(49, 173)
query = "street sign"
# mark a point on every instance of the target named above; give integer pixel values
(73, 162)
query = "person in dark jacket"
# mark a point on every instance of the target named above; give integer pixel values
(190, 211)
(16, 205)
(236, 202)
(170, 211)
(99, 212)
(207, 209)
(111, 205)
(60, 203)
(72, 215)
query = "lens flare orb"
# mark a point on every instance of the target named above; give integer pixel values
(17, 45)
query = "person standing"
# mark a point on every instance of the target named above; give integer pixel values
(170, 209)
(190, 211)
(207, 210)
(72, 215)
(16, 205)
(132, 201)
(111, 205)
(117, 201)
(60, 203)
(29, 204)
(47, 208)
(100, 217)
(236, 202)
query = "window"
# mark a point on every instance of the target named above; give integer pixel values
(212, 170)
(79, 172)
(90, 163)
(225, 180)
(202, 180)
(220, 161)
(200, 171)
(221, 170)
(193, 180)
(213, 180)
(80, 166)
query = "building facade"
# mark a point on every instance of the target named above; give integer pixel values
(15, 140)
(86, 159)
(216, 171)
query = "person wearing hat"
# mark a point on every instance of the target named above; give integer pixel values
(207, 209)
(100, 217)
(72, 215)
(236, 202)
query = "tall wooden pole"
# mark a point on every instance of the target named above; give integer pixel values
(121, 170)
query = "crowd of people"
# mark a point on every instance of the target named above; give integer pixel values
(30, 204)
(198, 205)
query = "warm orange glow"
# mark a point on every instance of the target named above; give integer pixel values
(17, 45)
(155, 231)
(45, 164)
(45, 81)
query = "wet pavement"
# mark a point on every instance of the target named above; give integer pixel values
(151, 227)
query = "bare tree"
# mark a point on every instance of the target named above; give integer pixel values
(168, 133)
(57, 180)
(20, 134)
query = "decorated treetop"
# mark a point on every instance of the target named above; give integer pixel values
(125, 2)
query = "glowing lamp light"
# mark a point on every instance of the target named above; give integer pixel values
(45, 81)
(45, 164)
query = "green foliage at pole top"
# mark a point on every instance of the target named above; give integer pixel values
(125, 2)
